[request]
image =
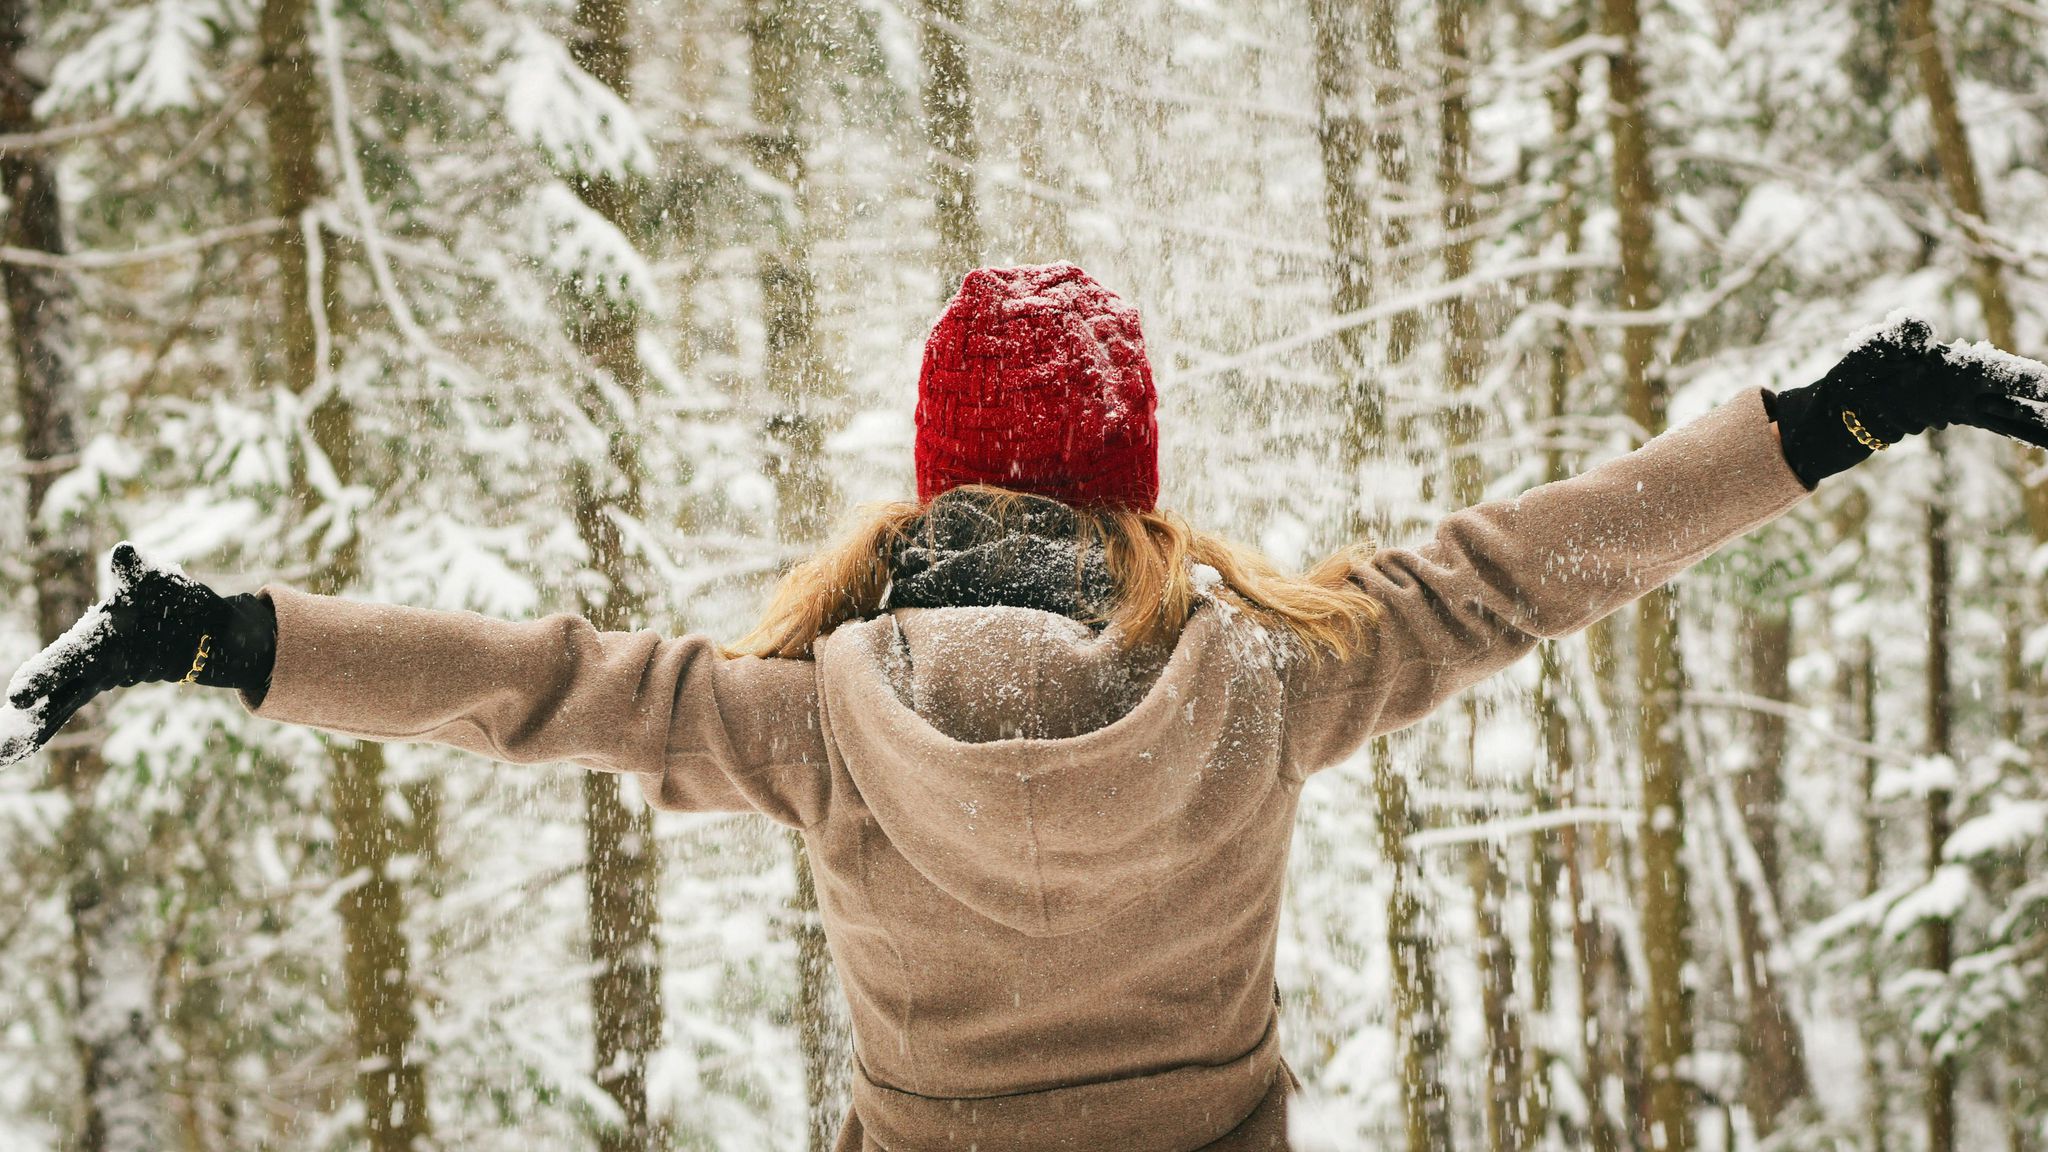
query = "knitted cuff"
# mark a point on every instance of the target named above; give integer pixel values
(243, 645)
(1816, 441)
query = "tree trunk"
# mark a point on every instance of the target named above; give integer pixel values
(800, 383)
(1601, 1069)
(1545, 873)
(1418, 1005)
(1556, 855)
(1465, 351)
(1390, 149)
(620, 881)
(1545, 869)
(1603, 1132)
(113, 1023)
(1666, 912)
(1875, 1097)
(1506, 1129)
(2014, 677)
(1419, 1025)
(1565, 362)
(796, 373)
(1774, 1056)
(1343, 140)
(949, 131)
(1463, 361)
(376, 962)
(1921, 39)
(1611, 1048)
(622, 876)
(1553, 853)
(822, 1034)
(1939, 941)
(1666, 915)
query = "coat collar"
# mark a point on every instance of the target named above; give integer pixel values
(965, 552)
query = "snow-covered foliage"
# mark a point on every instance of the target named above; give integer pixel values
(588, 251)
(573, 118)
(150, 57)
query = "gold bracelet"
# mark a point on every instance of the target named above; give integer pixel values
(198, 660)
(1861, 433)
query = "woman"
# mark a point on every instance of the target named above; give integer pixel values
(1044, 742)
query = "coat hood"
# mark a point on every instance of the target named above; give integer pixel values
(1042, 773)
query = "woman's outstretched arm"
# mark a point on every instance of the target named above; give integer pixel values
(1500, 576)
(1503, 575)
(701, 732)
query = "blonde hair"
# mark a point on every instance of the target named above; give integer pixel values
(1151, 558)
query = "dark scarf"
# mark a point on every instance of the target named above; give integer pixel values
(960, 553)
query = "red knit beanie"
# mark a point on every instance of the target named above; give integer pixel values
(1035, 379)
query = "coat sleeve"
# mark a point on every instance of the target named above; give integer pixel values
(1500, 576)
(702, 732)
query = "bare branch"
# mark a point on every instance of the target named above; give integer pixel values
(1746, 702)
(1406, 302)
(171, 250)
(12, 143)
(1519, 826)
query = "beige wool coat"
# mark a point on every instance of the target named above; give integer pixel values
(1050, 867)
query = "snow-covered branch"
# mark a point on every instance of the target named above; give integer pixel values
(1495, 831)
(1410, 301)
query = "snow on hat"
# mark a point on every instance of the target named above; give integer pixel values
(1035, 379)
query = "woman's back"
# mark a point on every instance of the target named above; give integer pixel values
(1040, 929)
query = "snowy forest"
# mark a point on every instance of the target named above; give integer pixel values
(615, 306)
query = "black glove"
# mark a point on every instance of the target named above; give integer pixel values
(158, 625)
(1899, 383)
